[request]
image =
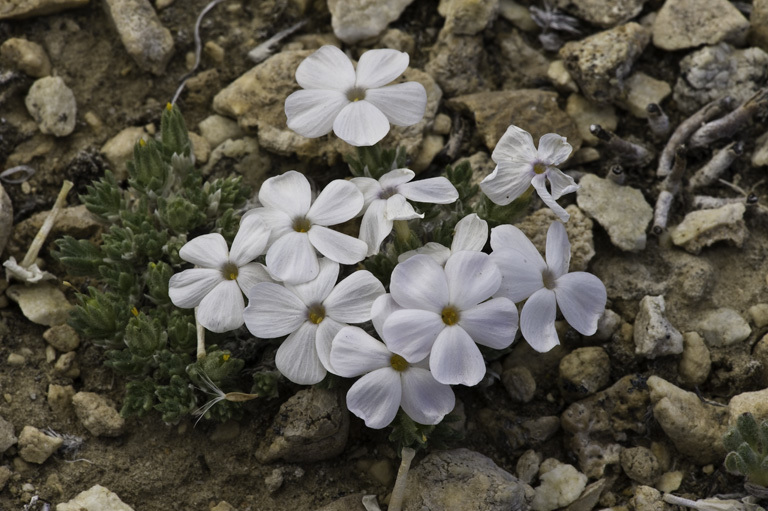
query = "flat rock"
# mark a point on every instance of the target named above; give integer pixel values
(600, 63)
(705, 227)
(578, 228)
(20, 9)
(26, 56)
(682, 24)
(96, 498)
(357, 20)
(714, 71)
(455, 62)
(35, 446)
(621, 210)
(561, 484)
(7, 436)
(603, 13)
(694, 427)
(535, 111)
(696, 362)
(144, 37)
(42, 303)
(52, 105)
(468, 17)
(585, 113)
(312, 425)
(723, 327)
(6, 218)
(119, 149)
(465, 480)
(98, 415)
(640, 90)
(654, 335)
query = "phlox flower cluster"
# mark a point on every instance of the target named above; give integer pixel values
(442, 304)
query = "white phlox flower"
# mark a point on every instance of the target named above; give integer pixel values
(354, 103)
(445, 311)
(519, 165)
(217, 284)
(310, 314)
(299, 226)
(386, 200)
(470, 233)
(546, 285)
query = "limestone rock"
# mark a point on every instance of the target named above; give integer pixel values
(600, 63)
(705, 227)
(14, 9)
(641, 465)
(519, 383)
(713, 71)
(603, 13)
(468, 17)
(357, 20)
(560, 485)
(60, 398)
(640, 90)
(97, 414)
(758, 20)
(201, 149)
(535, 111)
(648, 499)
(42, 303)
(561, 78)
(755, 403)
(119, 149)
(466, 480)
(216, 129)
(7, 437)
(518, 15)
(585, 113)
(682, 24)
(583, 372)
(312, 425)
(455, 61)
(97, 498)
(26, 56)
(6, 218)
(696, 362)
(145, 38)
(52, 104)
(578, 228)
(759, 314)
(522, 65)
(527, 467)
(608, 323)
(621, 210)
(62, 337)
(694, 427)
(723, 327)
(654, 334)
(35, 446)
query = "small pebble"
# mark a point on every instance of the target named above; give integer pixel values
(52, 105)
(759, 314)
(35, 446)
(15, 359)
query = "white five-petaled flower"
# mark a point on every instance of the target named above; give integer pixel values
(546, 285)
(519, 165)
(385, 201)
(299, 226)
(470, 233)
(311, 314)
(216, 287)
(354, 103)
(445, 311)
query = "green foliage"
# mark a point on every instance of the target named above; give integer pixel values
(748, 446)
(375, 161)
(407, 433)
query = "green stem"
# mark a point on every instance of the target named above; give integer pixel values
(402, 231)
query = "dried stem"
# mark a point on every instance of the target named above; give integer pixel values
(657, 120)
(398, 492)
(729, 124)
(45, 229)
(669, 188)
(715, 167)
(628, 152)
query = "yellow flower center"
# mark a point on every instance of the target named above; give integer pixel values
(230, 271)
(398, 363)
(355, 94)
(316, 314)
(539, 168)
(450, 315)
(301, 225)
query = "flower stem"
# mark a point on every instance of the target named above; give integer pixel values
(45, 229)
(398, 492)
(200, 338)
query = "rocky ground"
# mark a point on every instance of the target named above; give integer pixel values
(610, 421)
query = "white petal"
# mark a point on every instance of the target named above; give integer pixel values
(554, 149)
(297, 357)
(538, 182)
(399, 209)
(337, 246)
(273, 311)
(455, 359)
(434, 250)
(410, 333)
(560, 183)
(278, 222)
(520, 263)
(537, 321)
(369, 187)
(379, 67)
(311, 113)
(337, 203)
(361, 124)
(252, 274)
(382, 307)
(515, 145)
(188, 288)
(436, 190)
(506, 183)
(506, 238)
(403, 104)
(375, 227)
(351, 300)
(354, 352)
(375, 397)
(316, 290)
(250, 240)
(222, 309)
(326, 331)
(470, 233)
(420, 283)
(425, 400)
(289, 192)
(208, 251)
(472, 278)
(558, 250)
(396, 177)
(581, 297)
(292, 258)
(327, 68)
(492, 323)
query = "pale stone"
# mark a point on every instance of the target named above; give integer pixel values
(758, 20)
(52, 104)
(682, 24)
(755, 403)
(119, 149)
(723, 327)
(430, 147)
(97, 498)
(97, 414)
(468, 17)
(200, 147)
(35, 446)
(702, 228)
(42, 303)
(695, 362)
(357, 20)
(559, 487)
(561, 78)
(145, 38)
(654, 335)
(760, 154)
(641, 90)
(20, 9)
(759, 314)
(603, 13)
(27, 56)
(7, 436)
(583, 372)
(670, 481)
(518, 15)
(585, 113)
(640, 464)
(62, 337)
(217, 128)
